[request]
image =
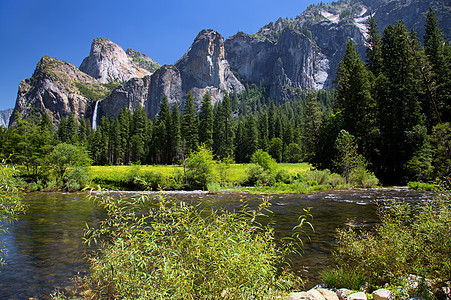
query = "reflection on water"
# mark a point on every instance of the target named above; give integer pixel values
(45, 247)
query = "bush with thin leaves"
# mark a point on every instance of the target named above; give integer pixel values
(176, 251)
(411, 239)
(10, 198)
(201, 168)
(360, 176)
(320, 176)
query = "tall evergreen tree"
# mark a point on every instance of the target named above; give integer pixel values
(374, 50)
(62, 130)
(263, 133)
(82, 135)
(438, 52)
(125, 121)
(354, 100)
(399, 105)
(162, 134)
(176, 136)
(206, 122)
(272, 119)
(190, 124)
(72, 130)
(312, 124)
(223, 135)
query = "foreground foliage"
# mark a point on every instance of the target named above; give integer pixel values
(176, 251)
(411, 239)
(10, 202)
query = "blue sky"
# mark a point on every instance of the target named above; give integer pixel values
(162, 29)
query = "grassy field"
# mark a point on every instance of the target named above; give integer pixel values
(171, 175)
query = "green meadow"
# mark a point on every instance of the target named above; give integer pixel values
(171, 177)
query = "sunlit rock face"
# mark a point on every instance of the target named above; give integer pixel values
(108, 62)
(58, 89)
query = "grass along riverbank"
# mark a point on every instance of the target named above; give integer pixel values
(172, 177)
(288, 179)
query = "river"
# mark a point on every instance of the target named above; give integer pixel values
(45, 247)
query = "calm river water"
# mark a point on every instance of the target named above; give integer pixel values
(45, 247)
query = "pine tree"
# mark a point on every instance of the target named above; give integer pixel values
(247, 139)
(374, 50)
(227, 118)
(398, 101)
(206, 122)
(272, 120)
(62, 130)
(176, 136)
(218, 130)
(125, 121)
(439, 54)
(72, 130)
(263, 133)
(354, 100)
(162, 139)
(190, 124)
(82, 135)
(347, 156)
(312, 124)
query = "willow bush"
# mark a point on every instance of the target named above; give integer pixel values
(10, 198)
(173, 250)
(411, 239)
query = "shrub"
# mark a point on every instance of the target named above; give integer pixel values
(283, 176)
(409, 240)
(336, 179)
(10, 198)
(256, 175)
(320, 176)
(213, 187)
(65, 156)
(415, 185)
(177, 252)
(76, 179)
(360, 176)
(151, 180)
(264, 160)
(200, 168)
(340, 278)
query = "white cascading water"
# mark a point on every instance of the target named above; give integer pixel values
(94, 116)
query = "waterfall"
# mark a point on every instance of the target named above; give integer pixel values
(94, 116)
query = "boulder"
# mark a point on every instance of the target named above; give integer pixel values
(328, 294)
(382, 294)
(357, 296)
(343, 293)
(297, 296)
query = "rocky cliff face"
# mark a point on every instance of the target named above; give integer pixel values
(287, 56)
(130, 95)
(303, 53)
(203, 69)
(294, 61)
(108, 62)
(4, 117)
(57, 88)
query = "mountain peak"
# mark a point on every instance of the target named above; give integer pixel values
(108, 62)
(204, 65)
(142, 60)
